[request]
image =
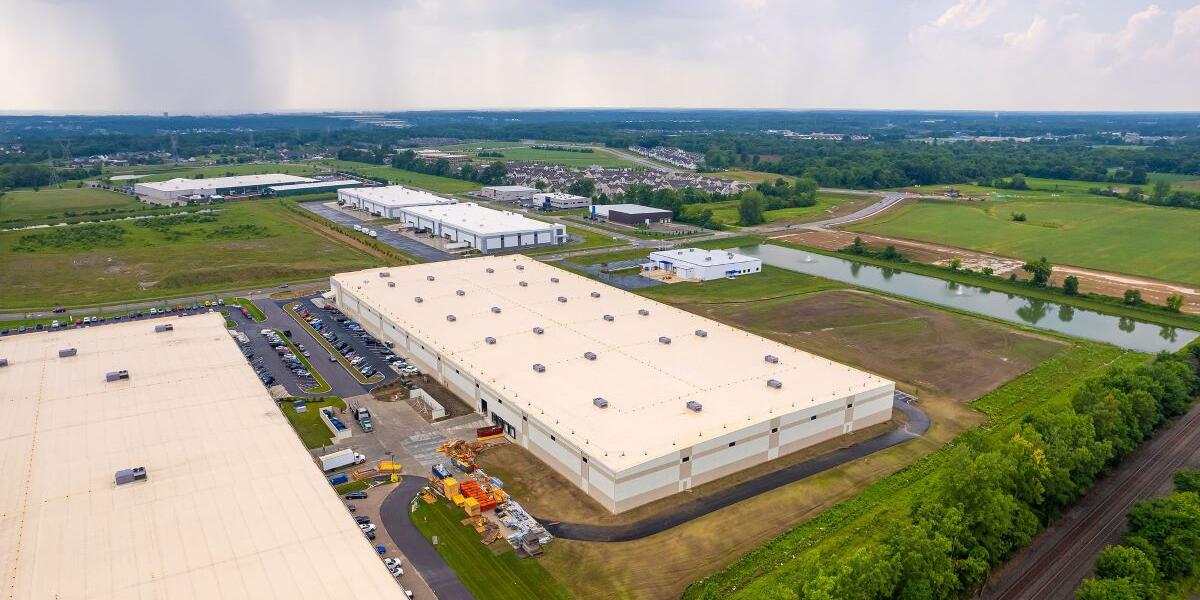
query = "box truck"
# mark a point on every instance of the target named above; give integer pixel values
(341, 458)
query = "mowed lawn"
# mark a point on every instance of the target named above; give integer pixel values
(434, 183)
(560, 157)
(251, 244)
(499, 575)
(17, 206)
(726, 212)
(1066, 225)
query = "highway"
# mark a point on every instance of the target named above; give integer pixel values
(1054, 563)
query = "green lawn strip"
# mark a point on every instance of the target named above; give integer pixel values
(322, 385)
(1095, 302)
(433, 183)
(255, 313)
(488, 575)
(351, 486)
(772, 282)
(591, 241)
(54, 204)
(308, 425)
(847, 526)
(376, 378)
(637, 232)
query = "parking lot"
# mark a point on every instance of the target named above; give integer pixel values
(391, 238)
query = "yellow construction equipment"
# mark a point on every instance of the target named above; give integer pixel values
(390, 466)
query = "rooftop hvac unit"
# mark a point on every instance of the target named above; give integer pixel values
(130, 475)
(429, 277)
(520, 267)
(662, 339)
(539, 330)
(600, 402)
(162, 328)
(523, 283)
(496, 309)
(553, 280)
(65, 352)
(562, 298)
(771, 358)
(384, 274)
(694, 406)
(3, 362)
(643, 312)
(539, 367)
(391, 284)
(418, 299)
(116, 375)
(589, 355)
(489, 340)
(595, 294)
(460, 292)
(609, 318)
(451, 318)
(775, 383)
(490, 270)
(707, 258)
(701, 333)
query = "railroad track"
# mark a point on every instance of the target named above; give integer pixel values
(1044, 570)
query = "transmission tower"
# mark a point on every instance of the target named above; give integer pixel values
(175, 149)
(54, 180)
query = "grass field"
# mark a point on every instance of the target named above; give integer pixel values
(1064, 223)
(309, 426)
(299, 168)
(18, 206)
(771, 283)
(751, 176)
(726, 213)
(433, 183)
(560, 157)
(490, 575)
(250, 244)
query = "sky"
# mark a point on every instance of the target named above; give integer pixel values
(239, 56)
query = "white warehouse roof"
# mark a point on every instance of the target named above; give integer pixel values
(480, 220)
(232, 507)
(631, 209)
(323, 183)
(700, 257)
(394, 196)
(646, 381)
(511, 188)
(181, 184)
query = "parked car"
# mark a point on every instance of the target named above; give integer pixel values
(362, 520)
(356, 496)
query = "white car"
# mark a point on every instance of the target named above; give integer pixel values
(397, 572)
(392, 563)
(367, 527)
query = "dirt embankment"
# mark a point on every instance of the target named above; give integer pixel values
(1090, 280)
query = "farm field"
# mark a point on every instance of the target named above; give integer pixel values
(1068, 226)
(26, 205)
(751, 176)
(922, 347)
(560, 157)
(828, 204)
(489, 574)
(246, 244)
(433, 183)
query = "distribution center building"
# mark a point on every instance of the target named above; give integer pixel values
(315, 187)
(632, 214)
(181, 189)
(629, 399)
(230, 504)
(482, 228)
(508, 193)
(702, 265)
(560, 201)
(387, 201)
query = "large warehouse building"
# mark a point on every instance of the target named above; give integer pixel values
(387, 201)
(630, 399)
(508, 193)
(702, 265)
(632, 214)
(483, 228)
(230, 505)
(181, 190)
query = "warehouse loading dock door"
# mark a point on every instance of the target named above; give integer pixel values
(509, 430)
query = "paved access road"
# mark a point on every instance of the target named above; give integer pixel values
(391, 238)
(1054, 563)
(918, 424)
(419, 552)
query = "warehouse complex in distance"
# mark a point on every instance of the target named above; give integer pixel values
(483, 228)
(389, 200)
(508, 193)
(632, 214)
(630, 399)
(702, 265)
(229, 506)
(180, 189)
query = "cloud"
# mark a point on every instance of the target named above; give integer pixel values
(276, 55)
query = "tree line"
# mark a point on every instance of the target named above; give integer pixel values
(24, 175)
(999, 493)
